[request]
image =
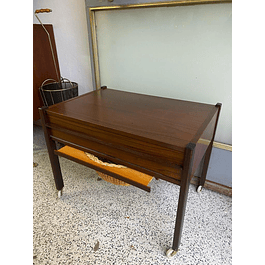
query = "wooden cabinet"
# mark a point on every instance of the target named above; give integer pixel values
(43, 66)
(162, 137)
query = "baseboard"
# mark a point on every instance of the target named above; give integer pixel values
(213, 186)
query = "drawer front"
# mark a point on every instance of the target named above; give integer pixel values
(141, 147)
(143, 156)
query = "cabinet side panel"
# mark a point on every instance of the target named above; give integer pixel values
(204, 142)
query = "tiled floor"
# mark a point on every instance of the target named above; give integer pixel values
(132, 226)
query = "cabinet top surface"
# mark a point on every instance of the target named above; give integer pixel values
(170, 121)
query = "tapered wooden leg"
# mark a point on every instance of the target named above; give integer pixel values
(208, 153)
(56, 169)
(205, 164)
(51, 146)
(183, 196)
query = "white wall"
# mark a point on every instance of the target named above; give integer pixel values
(182, 52)
(71, 36)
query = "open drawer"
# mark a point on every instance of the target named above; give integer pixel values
(127, 175)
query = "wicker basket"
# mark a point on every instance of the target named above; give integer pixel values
(112, 180)
(105, 176)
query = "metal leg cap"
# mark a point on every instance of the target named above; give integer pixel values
(170, 253)
(199, 189)
(60, 193)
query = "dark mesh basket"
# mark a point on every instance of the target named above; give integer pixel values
(56, 92)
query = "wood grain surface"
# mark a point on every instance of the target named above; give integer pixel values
(172, 122)
(43, 66)
(145, 133)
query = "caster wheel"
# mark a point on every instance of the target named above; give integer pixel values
(170, 253)
(199, 189)
(60, 193)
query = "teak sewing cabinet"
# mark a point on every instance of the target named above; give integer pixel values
(162, 137)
